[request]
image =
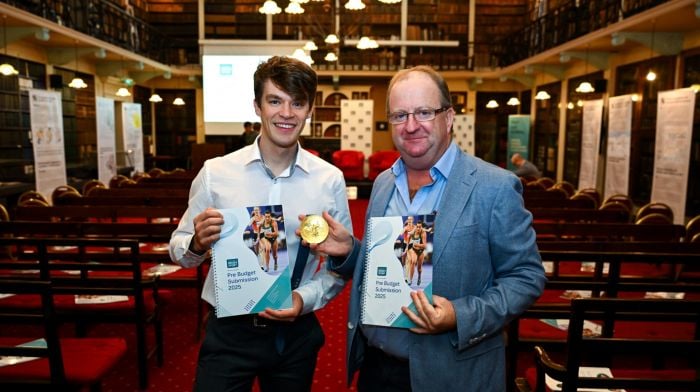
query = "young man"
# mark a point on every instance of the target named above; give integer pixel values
(486, 267)
(279, 347)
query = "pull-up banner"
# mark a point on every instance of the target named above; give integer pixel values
(674, 133)
(46, 117)
(617, 164)
(590, 143)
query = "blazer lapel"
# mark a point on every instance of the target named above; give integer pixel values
(460, 184)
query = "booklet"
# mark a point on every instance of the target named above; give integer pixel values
(250, 262)
(399, 250)
(86, 299)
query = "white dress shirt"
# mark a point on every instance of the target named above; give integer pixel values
(241, 179)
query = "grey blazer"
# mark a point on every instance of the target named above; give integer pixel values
(485, 261)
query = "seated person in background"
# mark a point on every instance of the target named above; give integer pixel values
(523, 167)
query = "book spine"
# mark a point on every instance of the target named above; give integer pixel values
(368, 247)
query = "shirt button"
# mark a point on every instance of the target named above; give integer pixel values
(350, 326)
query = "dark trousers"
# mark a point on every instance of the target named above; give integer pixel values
(236, 350)
(380, 372)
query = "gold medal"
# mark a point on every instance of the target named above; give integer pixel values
(314, 229)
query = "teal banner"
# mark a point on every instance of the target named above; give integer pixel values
(518, 136)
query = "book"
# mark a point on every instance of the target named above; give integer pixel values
(399, 250)
(250, 264)
(585, 371)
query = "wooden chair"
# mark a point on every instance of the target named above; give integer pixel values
(568, 187)
(31, 202)
(140, 175)
(92, 184)
(61, 364)
(654, 219)
(624, 199)
(156, 172)
(617, 206)
(591, 202)
(115, 181)
(655, 208)
(593, 193)
(32, 195)
(692, 228)
(584, 349)
(62, 193)
(546, 182)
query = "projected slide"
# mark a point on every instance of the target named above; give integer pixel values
(228, 89)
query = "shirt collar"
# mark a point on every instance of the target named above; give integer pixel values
(441, 168)
(301, 160)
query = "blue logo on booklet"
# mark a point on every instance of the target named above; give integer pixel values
(381, 271)
(232, 263)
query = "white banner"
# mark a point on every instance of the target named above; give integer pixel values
(674, 132)
(464, 136)
(46, 117)
(590, 143)
(106, 145)
(617, 164)
(133, 135)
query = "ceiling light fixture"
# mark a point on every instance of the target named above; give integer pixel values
(294, 8)
(542, 95)
(123, 92)
(155, 98)
(366, 43)
(585, 87)
(331, 57)
(513, 101)
(332, 39)
(270, 8)
(651, 75)
(6, 69)
(77, 82)
(354, 5)
(310, 45)
(492, 104)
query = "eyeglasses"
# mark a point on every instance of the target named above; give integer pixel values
(421, 114)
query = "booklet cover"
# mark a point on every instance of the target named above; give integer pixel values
(399, 250)
(250, 262)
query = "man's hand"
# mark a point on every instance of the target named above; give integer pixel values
(285, 314)
(430, 318)
(339, 241)
(207, 230)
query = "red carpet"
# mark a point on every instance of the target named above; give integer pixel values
(181, 349)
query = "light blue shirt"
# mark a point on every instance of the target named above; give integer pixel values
(241, 179)
(395, 341)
